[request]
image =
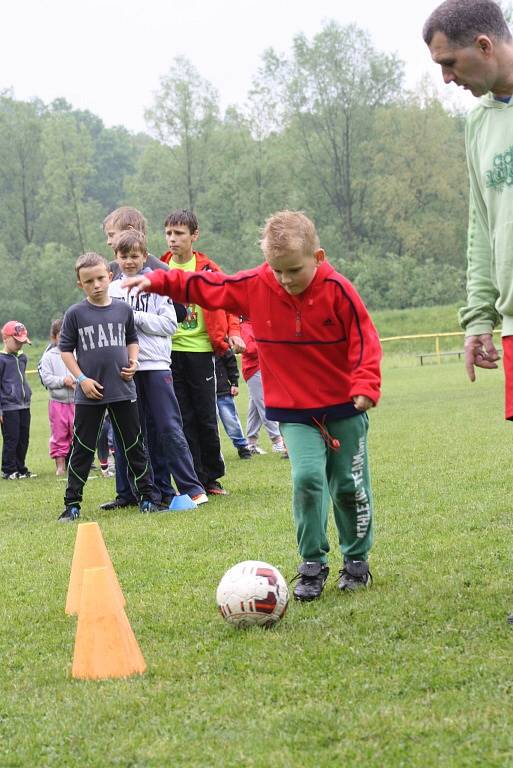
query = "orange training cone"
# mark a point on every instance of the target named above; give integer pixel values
(90, 552)
(105, 645)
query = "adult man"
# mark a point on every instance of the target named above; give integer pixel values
(474, 47)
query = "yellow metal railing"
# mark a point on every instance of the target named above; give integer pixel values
(436, 336)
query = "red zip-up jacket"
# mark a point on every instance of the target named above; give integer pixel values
(219, 323)
(317, 350)
(249, 357)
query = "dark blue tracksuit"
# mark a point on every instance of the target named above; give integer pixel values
(15, 397)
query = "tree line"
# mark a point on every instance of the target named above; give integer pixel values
(329, 129)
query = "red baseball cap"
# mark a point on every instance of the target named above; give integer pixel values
(16, 330)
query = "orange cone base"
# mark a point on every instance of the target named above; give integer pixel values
(105, 645)
(90, 552)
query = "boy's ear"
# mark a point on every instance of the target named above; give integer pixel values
(319, 256)
(195, 235)
(79, 283)
(111, 274)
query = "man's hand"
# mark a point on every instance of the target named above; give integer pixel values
(362, 403)
(139, 281)
(480, 351)
(91, 389)
(128, 372)
(236, 344)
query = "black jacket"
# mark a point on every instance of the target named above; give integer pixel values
(227, 373)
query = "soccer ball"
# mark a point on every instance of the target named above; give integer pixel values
(252, 593)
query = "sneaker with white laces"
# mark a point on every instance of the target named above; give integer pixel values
(27, 475)
(200, 498)
(9, 475)
(311, 579)
(279, 447)
(354, 575)
(256, 450)
(107, 472)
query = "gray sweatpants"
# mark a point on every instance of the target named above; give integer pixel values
(256, 411)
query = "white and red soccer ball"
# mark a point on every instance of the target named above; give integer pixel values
(252, 593)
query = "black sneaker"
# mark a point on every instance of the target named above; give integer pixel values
(312, 577)
(26, 475)
(118, 504)
(244, 453)
(70, 514)
(214, 488)
(354, 575)
(9, 475)
(147, 506)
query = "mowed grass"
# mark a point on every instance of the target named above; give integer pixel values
(414, 672)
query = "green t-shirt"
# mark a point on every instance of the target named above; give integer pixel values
(191, 335)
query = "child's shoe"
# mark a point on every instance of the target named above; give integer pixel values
(279, 447)
(255, 450)
(27, 475)
(71, 513)
(200, 498)
(312, 577)
(107, 472)
(9, 475)
(244, 452)
(214, 488)
(147, 506)
(354, 575)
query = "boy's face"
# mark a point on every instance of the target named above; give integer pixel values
(179, 240)
(94, 281)
(112, 232)
(295, 270)
(132, 262)
(12, 345)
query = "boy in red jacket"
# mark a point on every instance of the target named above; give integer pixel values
(320, 359)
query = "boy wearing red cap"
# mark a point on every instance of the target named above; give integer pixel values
(15, 396)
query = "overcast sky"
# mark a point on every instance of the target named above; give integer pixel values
(109, 55)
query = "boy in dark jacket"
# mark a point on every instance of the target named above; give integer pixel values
(15, 396)
(320, 359)
(227, 389)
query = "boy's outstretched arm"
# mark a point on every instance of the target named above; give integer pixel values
(211, 290)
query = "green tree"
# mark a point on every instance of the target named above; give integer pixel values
(21, 168)
(331, 86)
(183, 117)
(69, 216)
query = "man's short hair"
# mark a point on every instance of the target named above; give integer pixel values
(461, 21)
(289, 232)
(183, 217)
(130, 240)
(126, 218)
(89, 259)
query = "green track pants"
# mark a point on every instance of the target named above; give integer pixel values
(319, 473)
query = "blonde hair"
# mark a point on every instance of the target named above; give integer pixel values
(90, 259)
(287, 232)
(126, 217)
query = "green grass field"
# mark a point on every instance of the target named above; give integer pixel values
(415, 672)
